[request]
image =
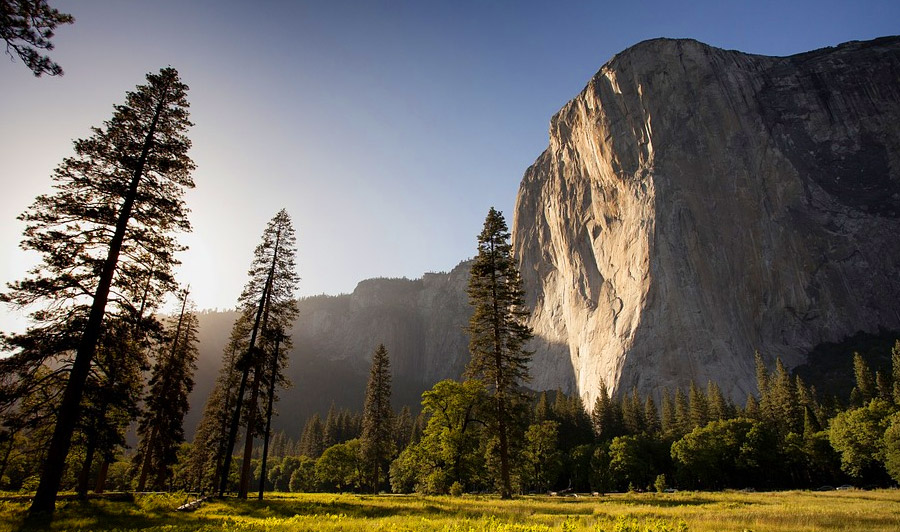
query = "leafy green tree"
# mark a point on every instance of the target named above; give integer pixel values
(497, 332)
(601, 478)
(578, 466)
(631, 462)
(27, 26)
(542, 458)
(892, 447)
(449, 451)
(267, 302)
(858, 435)
(719, 455)
(651, 417)
(161, 429)
(303, 477)
(377, 441)
(340, 467)
(105, 229)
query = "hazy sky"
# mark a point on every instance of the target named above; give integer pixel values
(386, 129)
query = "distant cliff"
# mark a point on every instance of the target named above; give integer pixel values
(421, 323)
(697, 204)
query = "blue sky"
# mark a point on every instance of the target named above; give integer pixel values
(386, 129)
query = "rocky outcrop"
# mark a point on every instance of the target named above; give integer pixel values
(696, 204)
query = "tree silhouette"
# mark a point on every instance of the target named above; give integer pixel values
(377, 441)
(27, 26)
(161, 428)
(102, 234)
(268, 298)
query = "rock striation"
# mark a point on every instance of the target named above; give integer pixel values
(697, 204)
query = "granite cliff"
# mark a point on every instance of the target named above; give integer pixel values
(696, 204)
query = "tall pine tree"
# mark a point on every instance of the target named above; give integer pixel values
(161, 428)
(267, 302)
(106, 228)
(377, 441)
(497, 332)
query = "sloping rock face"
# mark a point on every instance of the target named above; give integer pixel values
(421, 323)
(698, 204)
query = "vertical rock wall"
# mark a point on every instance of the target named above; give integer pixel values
(697, 204)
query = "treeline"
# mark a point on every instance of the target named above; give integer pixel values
(784, 437)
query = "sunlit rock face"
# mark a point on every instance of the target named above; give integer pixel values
(696, 204)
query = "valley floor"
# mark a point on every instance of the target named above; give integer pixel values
(794, 511)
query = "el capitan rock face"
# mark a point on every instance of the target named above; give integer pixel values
(697, 204)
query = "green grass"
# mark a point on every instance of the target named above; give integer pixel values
(795, 511)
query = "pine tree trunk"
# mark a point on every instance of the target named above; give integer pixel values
(500, 387)
(146, 462)
(505, 488)
(101, 477)
(70, 408)
(248, 443)
(265, 454)
(85, 474)
(5, 462)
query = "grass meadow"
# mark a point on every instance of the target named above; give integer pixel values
(793, 511)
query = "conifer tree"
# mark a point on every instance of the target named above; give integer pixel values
(331, 431)
(497, 331)
(161, 429)
(27, 26)
(403, 427)
(717, 407)
(699, 413)
(762, 385)
(207, 457)
(312, 437)
(865, 382)
(605, 416)
(784, 411)
(108, 224)
(377, 423)
(276, 360)
(667, 414)
(633, 413)
(682, 413)
(542, 408)
(651, 417)
(267, 302)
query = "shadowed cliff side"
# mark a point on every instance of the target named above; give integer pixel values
(697, 204)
